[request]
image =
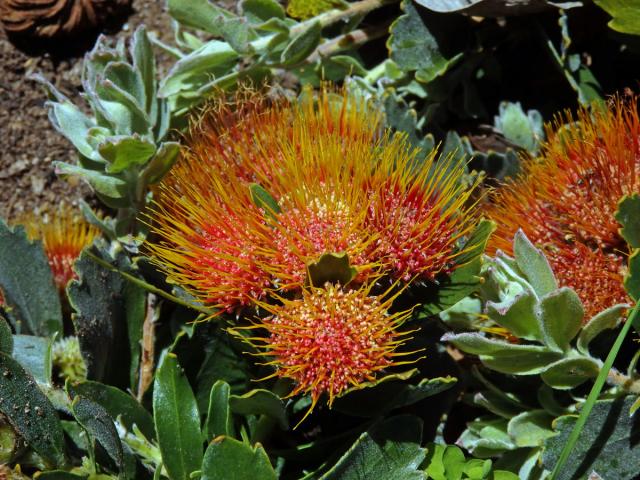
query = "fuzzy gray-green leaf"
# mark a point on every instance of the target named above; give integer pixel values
(301, 45)
(605, 320)
(534, 265)
(570, 372)
(561, 315)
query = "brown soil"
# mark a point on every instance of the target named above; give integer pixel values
(28, 142)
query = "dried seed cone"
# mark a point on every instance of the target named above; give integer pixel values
(565, 201)
(53, 18)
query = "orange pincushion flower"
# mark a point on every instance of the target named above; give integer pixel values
(63, 237)
(337, 183)
(565, 202)
(330, 340)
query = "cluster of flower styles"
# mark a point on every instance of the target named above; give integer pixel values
(338, 182)
(64, 234)
(266, 186)
(565, 201)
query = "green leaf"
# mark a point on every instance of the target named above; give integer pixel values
(534, 265)
(223, 361)
(34, 354)
(30, 412)
(332, 268)
(6, 338)
(260, 402)
(625, 15)
(444, 462)
(177, 420)
(100, 304)
(570, 372)
(561, 315)
(199, 14)
(161, 163)
(27, 284)
(413, 47)
(487, 437)
(110, 186)
(572, 438)
(606, 320)
(503, 356)
(135, 299)
(73, 124)
(389, 395)
(213, 59)
(632, 277)
(607, 444)
(127, 79)
(97, 422)
(145, 64)
(388, 451)
(126, 153)
(628, 215)
(531, 429)
(117, 404)
(263, 199)
(518, 315)
(260, 11)
(524, 130)
(465, 278)
(60, 475)
(301, 45)
(229, 459)
(219, 418)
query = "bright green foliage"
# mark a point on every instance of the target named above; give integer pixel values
(229, 459)
(625, 15)
(447, 462)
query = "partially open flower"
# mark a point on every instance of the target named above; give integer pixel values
(565, 201)
(64, 235)
(329, 181)
(330, 340)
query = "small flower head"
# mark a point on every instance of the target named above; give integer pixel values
(565, 201)
(64, 235)
(68, 361)
(337, 183)
(330, 340)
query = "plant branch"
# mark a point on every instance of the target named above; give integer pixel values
(347, 41)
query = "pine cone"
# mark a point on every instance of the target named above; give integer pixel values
(54, 18)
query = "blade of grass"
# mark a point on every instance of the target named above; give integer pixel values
(595, 392)
(150, 288)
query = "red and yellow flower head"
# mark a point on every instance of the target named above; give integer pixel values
(335, 181)
(64, 234)
(330, 340)
(565, 201)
